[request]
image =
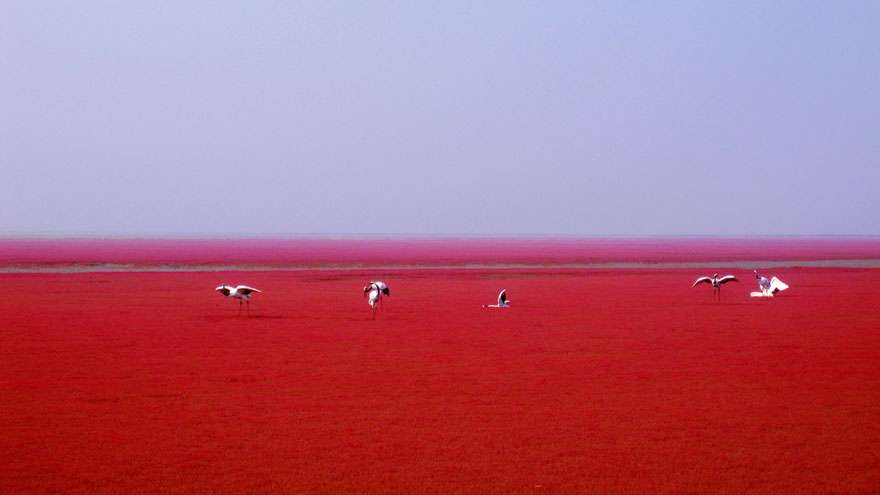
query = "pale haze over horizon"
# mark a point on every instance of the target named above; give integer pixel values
(496, 118)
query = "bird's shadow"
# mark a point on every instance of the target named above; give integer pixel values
(723, 304)
(242, 317)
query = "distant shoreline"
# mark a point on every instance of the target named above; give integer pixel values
(221, 236)
(110, 255)
(175, 268)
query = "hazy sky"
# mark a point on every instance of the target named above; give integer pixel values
(502, 118)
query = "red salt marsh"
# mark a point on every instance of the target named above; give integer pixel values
(424, 252)
(596, 380)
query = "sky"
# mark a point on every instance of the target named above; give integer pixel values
(439, 118)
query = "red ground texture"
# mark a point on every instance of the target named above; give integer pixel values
(595, 381)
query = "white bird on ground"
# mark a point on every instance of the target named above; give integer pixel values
(374, 292)
(716, 283)
(768, 287)
(241, 292)
(503, 302)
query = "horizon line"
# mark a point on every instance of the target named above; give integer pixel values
(859, 263)
(171, 236)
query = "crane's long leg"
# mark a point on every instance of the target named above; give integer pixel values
(248, 304)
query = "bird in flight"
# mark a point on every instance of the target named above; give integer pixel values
(241, 292)
(716, 283)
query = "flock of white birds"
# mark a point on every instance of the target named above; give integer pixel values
(376, 290)
(373, 291)
(768, 287)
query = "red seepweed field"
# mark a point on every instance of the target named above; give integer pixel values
(596, 380)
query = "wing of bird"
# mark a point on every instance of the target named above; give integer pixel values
(386, 290)
(700, 280)
(224, 290)
(777, 285)
(727, 278)
(502, 297)
(244, 289)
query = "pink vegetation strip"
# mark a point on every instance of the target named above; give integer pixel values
(425, 252)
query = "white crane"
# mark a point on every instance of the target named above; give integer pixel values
(503, 301)
(374, 292)
(716, 283)
(768, 287)
(241, 292)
